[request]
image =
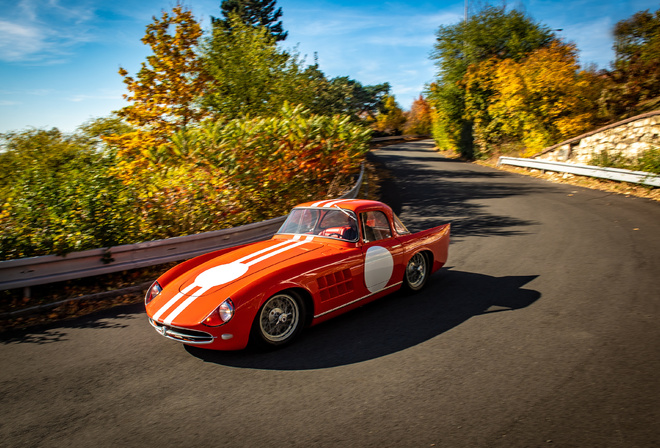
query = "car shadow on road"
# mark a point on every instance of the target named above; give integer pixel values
(389, 325)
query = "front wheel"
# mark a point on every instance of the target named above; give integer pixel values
(417, 272)
(279, 320)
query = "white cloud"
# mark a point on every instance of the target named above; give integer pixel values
(17, 41)
(43, 33)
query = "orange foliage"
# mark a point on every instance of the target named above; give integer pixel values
(418, 120)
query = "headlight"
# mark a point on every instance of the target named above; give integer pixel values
(152, 293)
(221, 315)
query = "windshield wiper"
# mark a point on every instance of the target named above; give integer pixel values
(344, 212)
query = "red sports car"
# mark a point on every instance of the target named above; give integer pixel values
(327, 258)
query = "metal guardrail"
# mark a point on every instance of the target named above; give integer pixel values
(26, 272)
(617, 174)
(399, 137)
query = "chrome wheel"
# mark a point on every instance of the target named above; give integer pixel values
(417, 272)
(279, 319)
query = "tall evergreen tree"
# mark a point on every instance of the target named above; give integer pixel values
(254, 13)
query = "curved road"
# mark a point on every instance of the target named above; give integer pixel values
(542, 331)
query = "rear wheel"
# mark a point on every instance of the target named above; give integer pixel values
(417, 272)
(279, 320)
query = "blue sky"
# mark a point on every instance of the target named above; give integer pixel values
(59, 58)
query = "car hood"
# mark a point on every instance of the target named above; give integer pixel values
(191, 296)
(241, 263)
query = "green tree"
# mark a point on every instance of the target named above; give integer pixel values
(57, 196)
(637, 38)
(98, 129)
(351, 97)
(250, 74)
(256, 13)
(343, 95)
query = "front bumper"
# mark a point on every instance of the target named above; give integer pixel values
(182, 334)
(226, 337)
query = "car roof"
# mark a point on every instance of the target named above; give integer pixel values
(356, 205)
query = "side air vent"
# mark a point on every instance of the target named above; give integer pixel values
(335, 284)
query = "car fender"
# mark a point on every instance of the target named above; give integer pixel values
(435, 240)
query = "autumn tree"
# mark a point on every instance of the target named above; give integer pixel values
(491, 33)
(391, 118)
(163, 96)
(635, 74)
(538, 101)
(418, 120)
(255, 13)
(270, 163)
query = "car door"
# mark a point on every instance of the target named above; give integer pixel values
(360, 271)
(382, 253)
(339, 281)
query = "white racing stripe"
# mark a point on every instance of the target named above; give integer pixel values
(247, 257)
(329, 202)
(262, 255)
(279, 251)
(172, 301)
(179, 309)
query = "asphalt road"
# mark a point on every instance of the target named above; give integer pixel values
(542, 331)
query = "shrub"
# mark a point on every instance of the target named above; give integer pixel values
(63, 193)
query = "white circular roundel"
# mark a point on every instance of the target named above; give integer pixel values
(378, 267)
(219, 275)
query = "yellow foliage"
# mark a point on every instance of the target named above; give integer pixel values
(391, 119)
(164, 92)
(540, 100)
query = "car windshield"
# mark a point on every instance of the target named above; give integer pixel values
(328, 222)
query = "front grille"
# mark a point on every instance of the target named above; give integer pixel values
(182, 334)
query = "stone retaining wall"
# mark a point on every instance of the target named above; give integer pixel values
(629, 137)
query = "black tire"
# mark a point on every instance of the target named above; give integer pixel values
(417, 272)
(279, 320)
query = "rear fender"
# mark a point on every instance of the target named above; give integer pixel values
(435, 241)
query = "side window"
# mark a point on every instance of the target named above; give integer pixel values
(375, 226)
(400, 228)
